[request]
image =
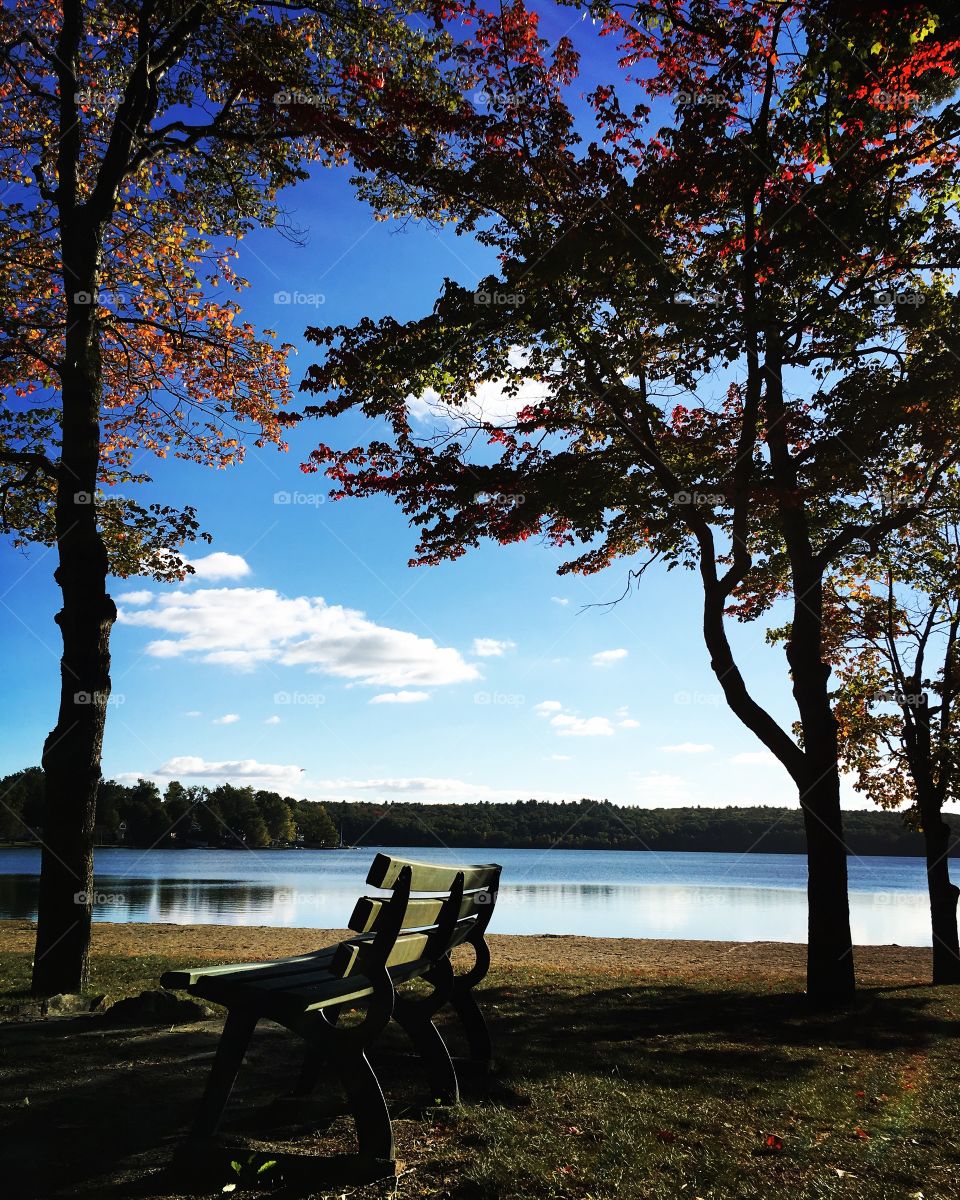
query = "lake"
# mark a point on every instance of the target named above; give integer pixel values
(718, 897)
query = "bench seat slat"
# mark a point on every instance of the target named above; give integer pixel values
(282, 966)
(429, 877)
(273, 998)
(322, 990)
(420, 913)
(302, 970)
(357, 984)
(265, 983)
(354, 956)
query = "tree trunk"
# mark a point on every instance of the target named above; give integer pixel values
(831, 981)
(830, 974)
(930, 784)
(943, 894)
(71, 753)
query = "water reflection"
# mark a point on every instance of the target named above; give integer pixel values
(711, 897)
(710, 913)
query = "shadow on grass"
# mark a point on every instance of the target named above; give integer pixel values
(895, 1017)
(85, 1102)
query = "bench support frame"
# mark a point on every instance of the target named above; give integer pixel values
(331, 1047)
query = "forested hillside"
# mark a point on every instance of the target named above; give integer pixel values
(228, 816)
(138, 814)
(593, 825)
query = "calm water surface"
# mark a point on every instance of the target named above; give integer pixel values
(750, 897)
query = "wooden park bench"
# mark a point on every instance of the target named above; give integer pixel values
(401, 937)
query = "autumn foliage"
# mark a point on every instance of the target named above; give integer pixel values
(141, 142)
(723, 307)
(170, 171)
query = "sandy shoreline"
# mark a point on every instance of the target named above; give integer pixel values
(646, 957)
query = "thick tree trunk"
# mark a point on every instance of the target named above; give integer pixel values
(71, 764)
(943, 894)
(71, 753)
(830, 974)
(831, 981)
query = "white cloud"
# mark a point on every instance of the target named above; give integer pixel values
(142, 597)
(561, 600)
(227, 719)
(244, 627)
(657, 789)
(491, 647)
(606, 658)
(407, 786)
(491, 403)
(688, 748)
(628, 723)
(190, 766)
(426, 789)
(194, 712)
(570, 726)
(218, 566)
(400, 698)
(272, 721)
(754, 758)
(161, 649)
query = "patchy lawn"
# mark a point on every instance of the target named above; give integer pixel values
(661, 1071)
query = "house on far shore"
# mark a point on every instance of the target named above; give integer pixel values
(103, 835)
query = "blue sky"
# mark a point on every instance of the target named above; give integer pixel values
(305, 655)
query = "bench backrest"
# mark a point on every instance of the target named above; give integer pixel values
(453, 906)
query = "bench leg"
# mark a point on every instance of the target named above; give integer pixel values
(237, 1031)
(367, 1104)
(313, 1063)
(474, 1025)
(431, 1047)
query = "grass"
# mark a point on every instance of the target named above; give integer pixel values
(608, 1087)
(112, 976)
(699, 1091)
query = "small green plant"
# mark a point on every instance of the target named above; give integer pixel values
(254, 1171)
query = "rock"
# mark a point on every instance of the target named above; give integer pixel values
(30, 1010)
(69, 1003)
(157, 1008)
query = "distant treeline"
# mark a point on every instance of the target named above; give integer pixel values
(592, 825)
(140, 815)
(600, 825)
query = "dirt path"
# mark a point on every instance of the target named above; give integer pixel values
(614, 956)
